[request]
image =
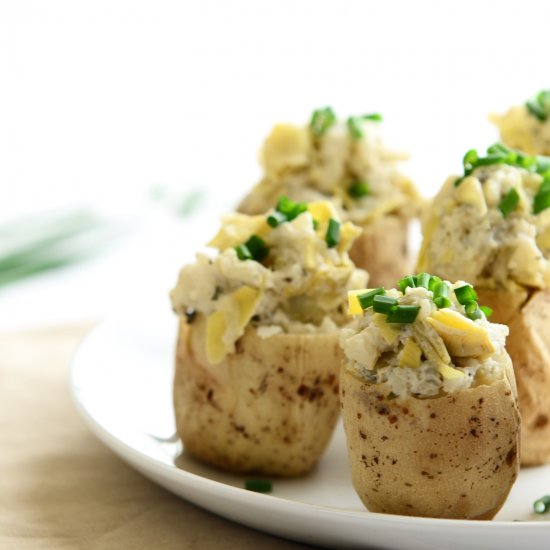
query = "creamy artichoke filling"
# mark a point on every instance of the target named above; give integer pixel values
(347, 164)
(521, 129)
(470, 233)
(441, 351)
(297, 287)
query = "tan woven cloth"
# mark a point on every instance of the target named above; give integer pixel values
(60, 488)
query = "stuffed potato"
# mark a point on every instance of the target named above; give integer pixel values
(348, 165)
(492, 227)
(429, 402)
(256, 383)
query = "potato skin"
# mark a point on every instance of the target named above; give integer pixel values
(528, 344)
(383, 251)
(269, 408)
(455, 456)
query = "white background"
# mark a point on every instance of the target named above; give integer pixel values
(100, 101)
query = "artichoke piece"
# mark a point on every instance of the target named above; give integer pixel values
(463, 337)
(410, 355)
(430, 342)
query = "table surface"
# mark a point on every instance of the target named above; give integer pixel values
(63, 489)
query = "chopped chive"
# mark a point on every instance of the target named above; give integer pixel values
(509, 202)
(486, 310)
(383, 304)
(277, 218)
(290, 208)
(322, 120)
(391, 395)
(406, 282)
(315, 224)
(366, 299)
(333, 233)
(423, 280)
(542, 505)
(539, 107)
(403, 314)
(434, 279)
(441, 289)
(243, 253)
(472, 311)
(354, 127)
(258, 485)
(465, 294)
(541, 202)
(375, 117)
(358, 189)
(469, 160)
(442, 301)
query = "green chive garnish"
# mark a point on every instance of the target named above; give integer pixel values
(243, 253)
(354, 127)
(253, 249)
(472, 311)
(358, 189)
(276, 219)
(486, 310)
(423, 280)
(258, 485)
(442, 301)
(322, 120)
(465, 294)
(542, 198)
(366, 299)
(406, 282)
(434, 279)
(540, 106)
(383, 304)
(542, 505)
(403, 314)
(509, 202)
(375, 117)
(333, 233)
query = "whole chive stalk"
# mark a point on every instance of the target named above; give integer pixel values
(366, 299)
(542, 505)
(332, 237)
(258, 485)
(383, 304)
(509, 202)
(321, 121)
(403, 314)
(465, 294)
(359, 189)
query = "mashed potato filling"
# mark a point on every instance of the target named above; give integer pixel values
(296, 283)
(489, 229)
(443, 350)
(344, 162)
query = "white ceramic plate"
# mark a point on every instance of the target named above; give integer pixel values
(121, 381)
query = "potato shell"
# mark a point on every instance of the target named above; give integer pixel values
(454, 456)
(268, 408)
(528, 317)
(382, 250)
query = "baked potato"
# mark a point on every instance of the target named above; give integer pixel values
(347, 164)
(492, 227)
(429, 404)
(257, 364)
(270, 407)
(529, 347)
(527, 127)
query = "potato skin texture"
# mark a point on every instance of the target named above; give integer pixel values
(383, 251)
(269, 408)
(455, 456)
(528, 344)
